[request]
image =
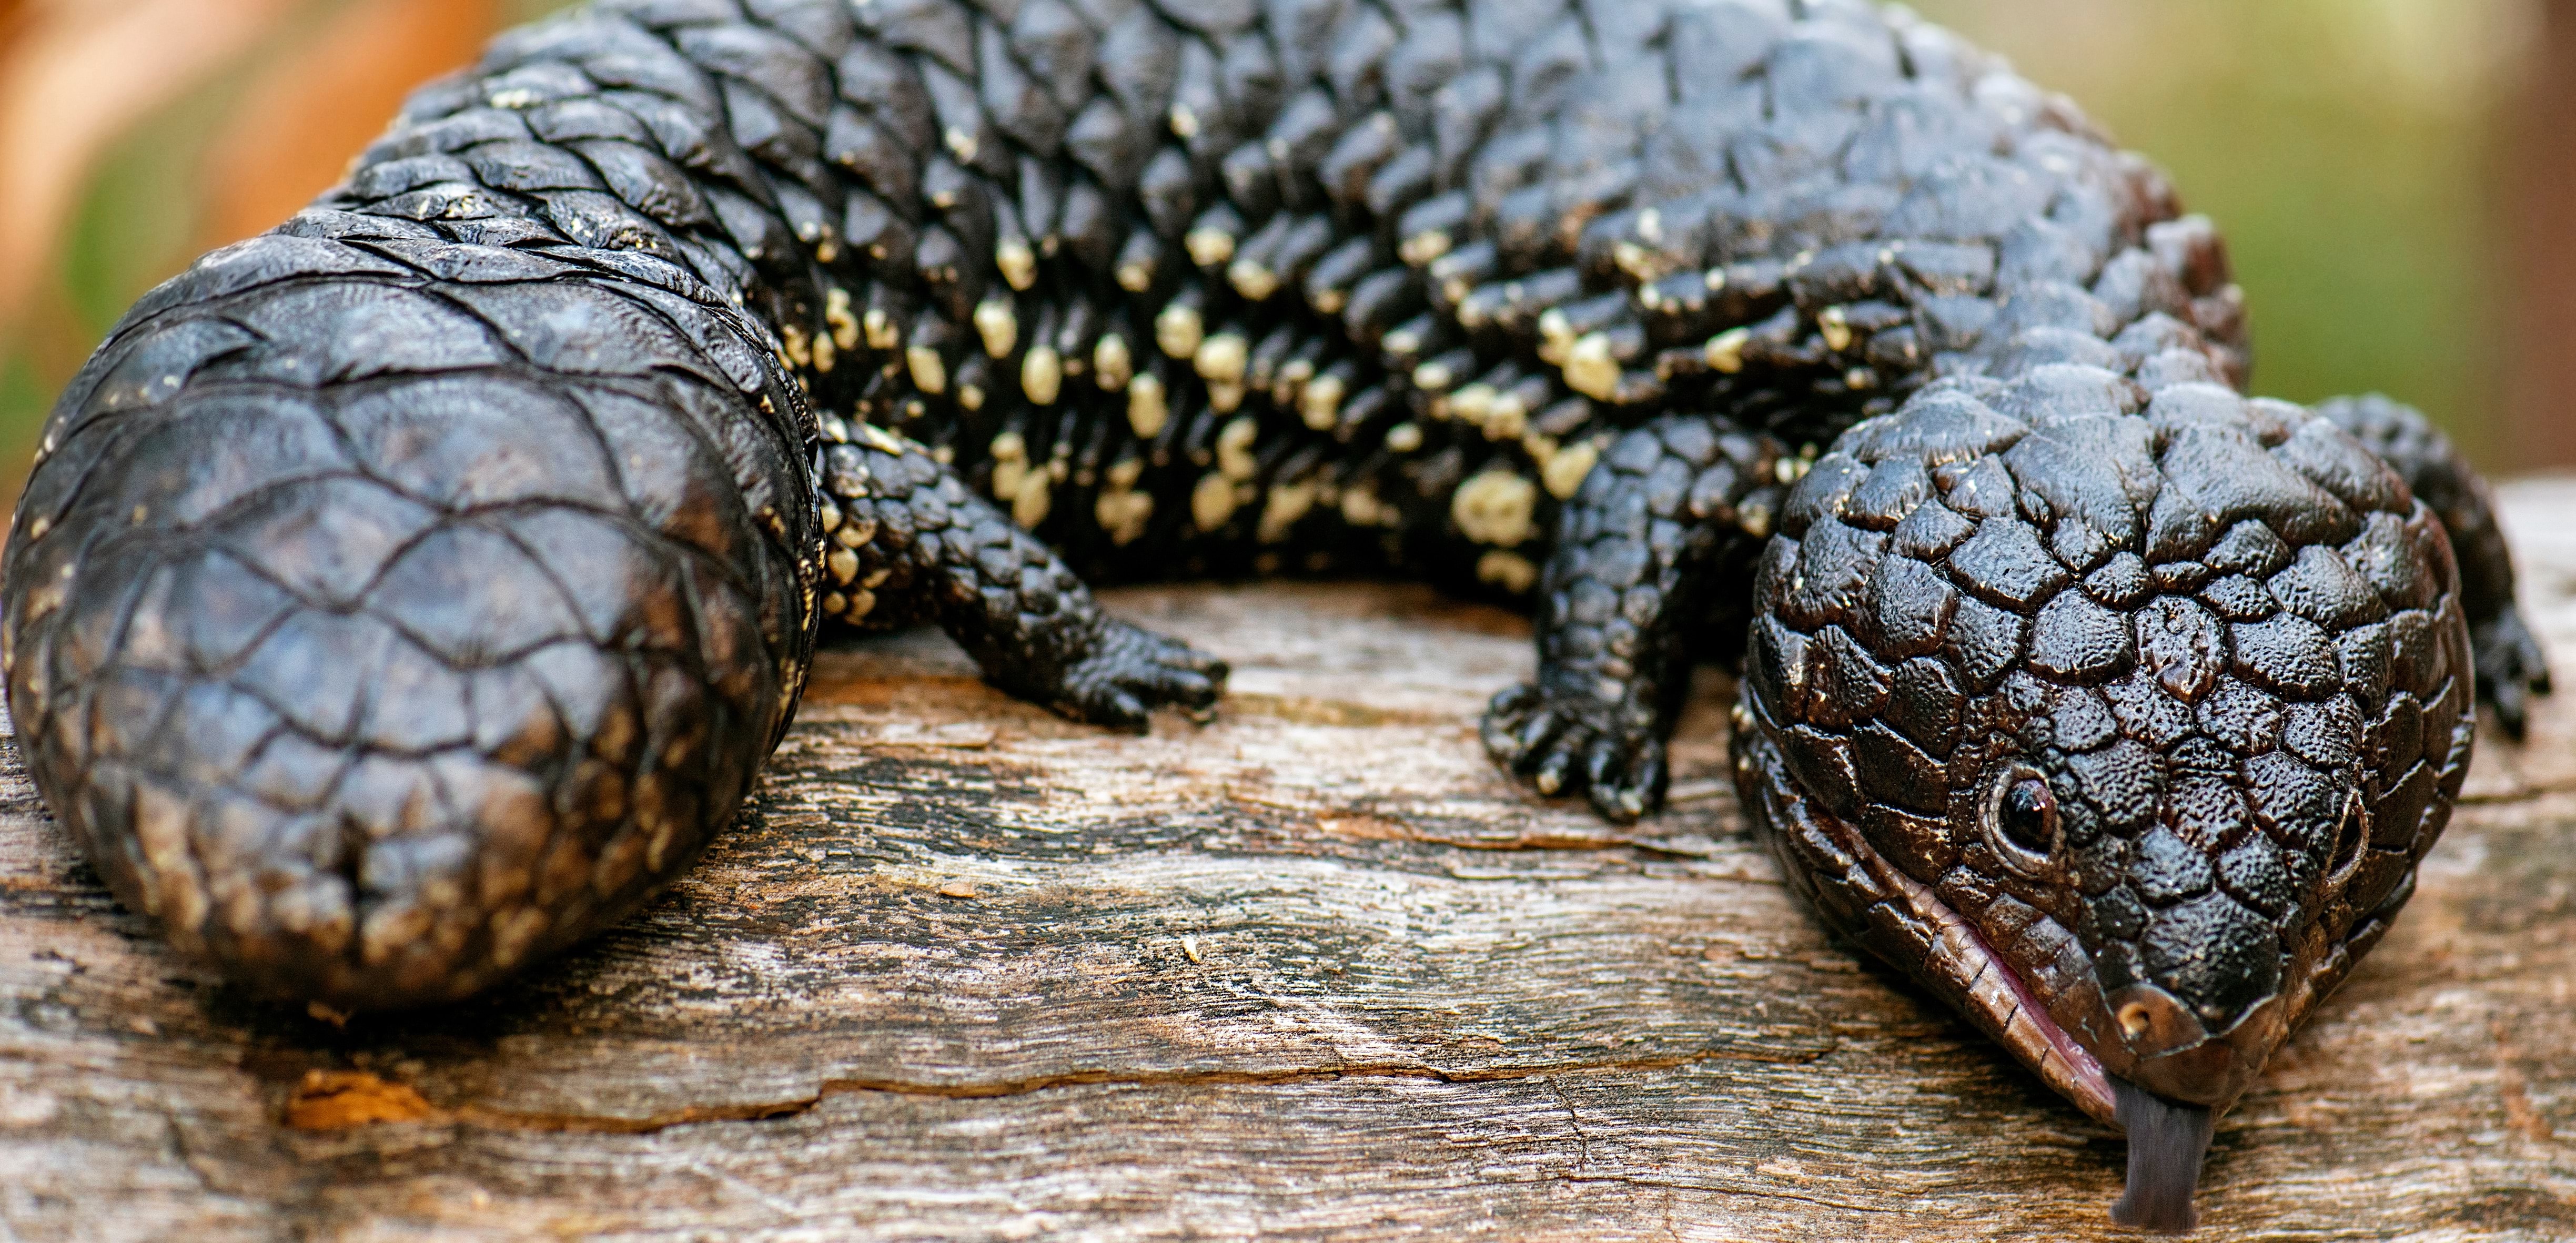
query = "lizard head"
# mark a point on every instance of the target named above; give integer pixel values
(2120, 720)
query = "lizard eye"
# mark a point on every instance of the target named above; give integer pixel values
(2024, 821)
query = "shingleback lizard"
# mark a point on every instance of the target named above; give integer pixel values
(405, 594)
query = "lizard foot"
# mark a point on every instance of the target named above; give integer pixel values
(1130, 671)
(1559, 745)
(2511, 668)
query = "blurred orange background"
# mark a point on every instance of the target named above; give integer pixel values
(2397, 177)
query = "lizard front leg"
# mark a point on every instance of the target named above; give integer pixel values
(1641, 552)
(910, 542)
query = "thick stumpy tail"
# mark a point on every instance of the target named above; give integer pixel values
(378, 631)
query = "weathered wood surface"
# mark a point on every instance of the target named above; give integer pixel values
(1311, 972)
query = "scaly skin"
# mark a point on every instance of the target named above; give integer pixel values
(403, 595)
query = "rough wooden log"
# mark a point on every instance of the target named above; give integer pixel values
(1311, 972)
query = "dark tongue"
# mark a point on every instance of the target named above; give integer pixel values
(2167, 1139)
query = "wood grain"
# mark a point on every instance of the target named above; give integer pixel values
(1312, 972)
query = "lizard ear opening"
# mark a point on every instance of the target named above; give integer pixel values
(2351, 834)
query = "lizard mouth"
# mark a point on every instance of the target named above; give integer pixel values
(1868, 897)
(1946, 952)
(1992, 993)
(1900, 919)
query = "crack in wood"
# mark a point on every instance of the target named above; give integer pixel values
(529, 1120)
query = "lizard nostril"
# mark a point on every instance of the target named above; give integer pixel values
(2156, 1022)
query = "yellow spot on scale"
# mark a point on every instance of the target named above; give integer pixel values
(1135, 277)
(1018, 262)
(800, 350)
(1234, 458)
(845, 326)
(929, 371)
(1292, 379)
(1433, 377)
(1640, 263)
(1404, 437)
(1473, 403)
(1421, 248)
(1508, 570)
(1225, 398)
(1111, 365)
(1555, 338)
(961, 144)
(1836, 326)
(1725, 351)
(1212, 501)
(1496, 507)
(1036, 495)
(1123, 513)
(999, 324)
(1590, 370)
(883, 333)
(1209, 247)
(1042, 375)
(1255, 282)
(1565, 472)
(835, 430)
(1147, 412)
(970, 396)
(1321, 404)
(1010, 465)
(1221, 358)
(1185, 123)
(1178, 331)
(1288, 504)
(1508, 419)
(843, 564)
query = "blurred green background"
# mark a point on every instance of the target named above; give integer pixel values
(2358, 153)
